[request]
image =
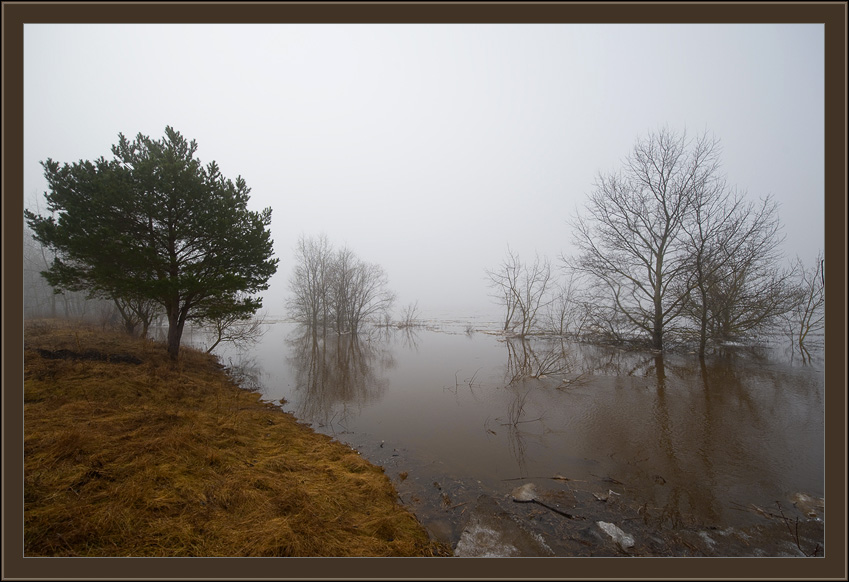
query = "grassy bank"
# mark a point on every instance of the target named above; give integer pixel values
(129, 454)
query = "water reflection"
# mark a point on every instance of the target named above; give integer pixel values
(690, 436)
(409, 338)
(697, 433)
(336, 375)
(539, 359)
(687, 436)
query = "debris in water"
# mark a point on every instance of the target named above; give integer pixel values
(810, 506)
(527, 493)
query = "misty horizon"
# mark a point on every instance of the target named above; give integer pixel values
(429, 149)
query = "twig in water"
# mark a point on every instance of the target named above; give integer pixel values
(795, 534)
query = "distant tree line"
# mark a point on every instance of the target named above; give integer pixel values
(334, 290)
(666, 249)
(154, 233)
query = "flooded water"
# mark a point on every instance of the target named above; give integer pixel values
(453, 416)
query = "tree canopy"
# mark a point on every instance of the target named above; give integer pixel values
(154, 223)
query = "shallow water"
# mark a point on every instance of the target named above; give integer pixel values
(467, 413)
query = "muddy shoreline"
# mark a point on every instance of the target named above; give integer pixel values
(480, 520)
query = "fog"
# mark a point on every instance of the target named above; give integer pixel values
(429, 148)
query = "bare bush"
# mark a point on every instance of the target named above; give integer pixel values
(410, 316)
(522, 289)
(807, 314)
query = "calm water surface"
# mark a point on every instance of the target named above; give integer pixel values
(698, 439)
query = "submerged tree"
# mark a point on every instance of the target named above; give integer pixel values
(735, 285)
(678, 251)
(410, 316)
(362, 292)
(310, 281)
(565, 313)
(154, 223)
(522, 289)
(335, 290)
(807, 314)
(505, 281)
(629, 240)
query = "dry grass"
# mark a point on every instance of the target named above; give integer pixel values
(164, 459)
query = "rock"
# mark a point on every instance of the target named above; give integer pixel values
(624, 540)
(527, 492)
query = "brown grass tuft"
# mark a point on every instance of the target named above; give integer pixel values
(164, 459)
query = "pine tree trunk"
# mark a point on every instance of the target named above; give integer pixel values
(175, 331)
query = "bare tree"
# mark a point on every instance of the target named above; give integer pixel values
(505, 281)
(136, 311)
(629, 240)
(735, 285)
(522, 289)
(410, 316)
(533, 292)
(368, 295)
(749, 300)
(564, 312)
(807, 314)
(310, 282)
(335, 289)
(599, 320)
(341, 283)
(235, 329)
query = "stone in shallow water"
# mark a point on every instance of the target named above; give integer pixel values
(624, 540)
(493, 533)
(527, 492)
(810, 506)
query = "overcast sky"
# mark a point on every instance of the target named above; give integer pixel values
(429, 148)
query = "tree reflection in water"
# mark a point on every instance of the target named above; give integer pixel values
(680, 432)
(545, 357)
(336, 374)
